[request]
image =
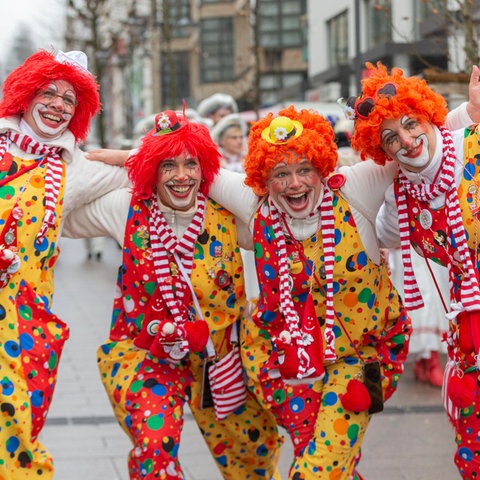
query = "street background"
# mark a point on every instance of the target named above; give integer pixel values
(410, 440)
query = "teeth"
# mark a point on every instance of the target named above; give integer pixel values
(52, 117)
(298, 195)
(180, 189)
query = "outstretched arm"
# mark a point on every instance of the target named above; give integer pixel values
(108, 155)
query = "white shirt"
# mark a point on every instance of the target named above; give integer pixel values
(85, 180)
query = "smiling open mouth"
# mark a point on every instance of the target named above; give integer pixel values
(52, 118)
(298, 200)
(180, 190)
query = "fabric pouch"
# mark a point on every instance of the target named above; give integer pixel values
(227, 383)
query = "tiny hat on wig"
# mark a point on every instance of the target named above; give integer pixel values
(172, 135)
(43, 67)
(391, 96)
(291, 137)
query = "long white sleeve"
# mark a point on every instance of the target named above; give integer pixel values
(387, 222)
(105, 217)
(229, 191)
(458, 118)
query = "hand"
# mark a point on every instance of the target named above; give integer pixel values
(473, 105)
(384, 258)
(109, 155)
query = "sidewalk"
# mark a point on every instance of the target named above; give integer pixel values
(410, 440)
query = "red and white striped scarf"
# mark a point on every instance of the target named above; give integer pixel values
(470, 291)
(286, 302)
(164, 241)
(53, 176)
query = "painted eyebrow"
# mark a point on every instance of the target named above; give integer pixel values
(386, 132)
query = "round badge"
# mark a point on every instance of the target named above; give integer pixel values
(336, 181)
(322, 272)
(152, 327)
(472, 189)
(9, 237)
(17, 213)
(223, 279)
(177, 353)
(425, 219)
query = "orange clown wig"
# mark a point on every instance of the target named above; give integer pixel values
(172, 135)
(291, 137)
(38, 70)
(391, 96)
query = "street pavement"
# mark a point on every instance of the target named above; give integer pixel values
(410, 440)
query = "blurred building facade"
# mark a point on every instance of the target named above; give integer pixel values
(153, 54)
(423, 37)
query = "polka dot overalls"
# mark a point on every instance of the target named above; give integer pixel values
(31, 336)
(429, 234)
(326, 437)
(148, 394)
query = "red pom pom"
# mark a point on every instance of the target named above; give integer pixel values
(357, 398)
(197, 335)
(461, 390)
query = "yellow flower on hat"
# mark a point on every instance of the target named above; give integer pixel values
(282, 129)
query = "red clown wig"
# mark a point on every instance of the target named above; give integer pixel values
(312, 140)
(406, 96)
(38, 70)
(172, 135)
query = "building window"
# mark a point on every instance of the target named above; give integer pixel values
(271, 83)
(379, 22)
(280, 23)
(216, 45)
(176, 84)
(430, 18)
(179, 17)
(338, 39)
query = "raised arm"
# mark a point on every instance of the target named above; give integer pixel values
(468, 112)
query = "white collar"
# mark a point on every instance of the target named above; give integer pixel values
(27, 130)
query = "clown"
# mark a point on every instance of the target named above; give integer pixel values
(180, 294)
(327, 308)
(432, 206)
(46, 108)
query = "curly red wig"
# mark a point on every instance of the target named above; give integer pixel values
(316, 144)
(38, 70)
(413, 97)
(191, 137)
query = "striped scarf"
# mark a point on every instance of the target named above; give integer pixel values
(470, 291)
(53, 176)
(163, 241)
(286, 302)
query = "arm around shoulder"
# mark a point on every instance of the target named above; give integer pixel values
(230, 191)
(366, 185)
(104, 217)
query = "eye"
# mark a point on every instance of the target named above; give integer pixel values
(49, 94)
(69, 101)
(167, 165)
(192, 164)
(411, 124)
(389, 140)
